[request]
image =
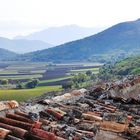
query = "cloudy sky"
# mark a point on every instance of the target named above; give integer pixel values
(25, 16)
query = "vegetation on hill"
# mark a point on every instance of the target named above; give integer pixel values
(128, 66)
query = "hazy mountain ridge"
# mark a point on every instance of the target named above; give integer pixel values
(124, 37)
(22, 45)
(6, 54)
(62, 34)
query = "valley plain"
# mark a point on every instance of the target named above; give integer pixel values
(51, 77)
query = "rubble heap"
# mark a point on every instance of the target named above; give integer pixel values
(110, 111)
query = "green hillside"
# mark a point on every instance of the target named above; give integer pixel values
(129, 66)
(118, 41)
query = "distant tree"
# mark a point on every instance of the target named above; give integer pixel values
(19, 86)
(89, 73)
(79, 79)
(76, 85)
(4, 81)
(93, 77)
(67, 85)
(51, 64)
(32, 83)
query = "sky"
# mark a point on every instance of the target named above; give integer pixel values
(20, 17)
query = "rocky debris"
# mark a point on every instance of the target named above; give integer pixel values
(3, 133)
(5, 105)
(110, 111)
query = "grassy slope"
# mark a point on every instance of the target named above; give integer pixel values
(25, 94)
(129, 66)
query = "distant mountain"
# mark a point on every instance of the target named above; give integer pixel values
(5, 54)
(123, 38)
(22, 45)
(60, 35)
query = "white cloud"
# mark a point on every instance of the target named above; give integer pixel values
(25, 15)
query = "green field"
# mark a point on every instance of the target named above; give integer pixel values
(8, 71)
(94, 70)
(55, 80)
(21, 77)
(25, 94)
(30, 70)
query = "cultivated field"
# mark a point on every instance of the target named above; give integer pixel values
(51, 77)
(25, 94)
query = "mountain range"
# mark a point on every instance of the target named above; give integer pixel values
(61, 34)
(120, 39)
(5, 54)
(22, 45)
(39, 40)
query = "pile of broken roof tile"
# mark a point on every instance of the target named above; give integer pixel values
(95, 114)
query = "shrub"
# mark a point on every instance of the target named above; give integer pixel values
(67, 85)
(32, 83)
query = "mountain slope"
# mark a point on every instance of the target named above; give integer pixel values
(128, 66)
(60, 35)
(5, 54)
(22, 45)
(123, 37)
